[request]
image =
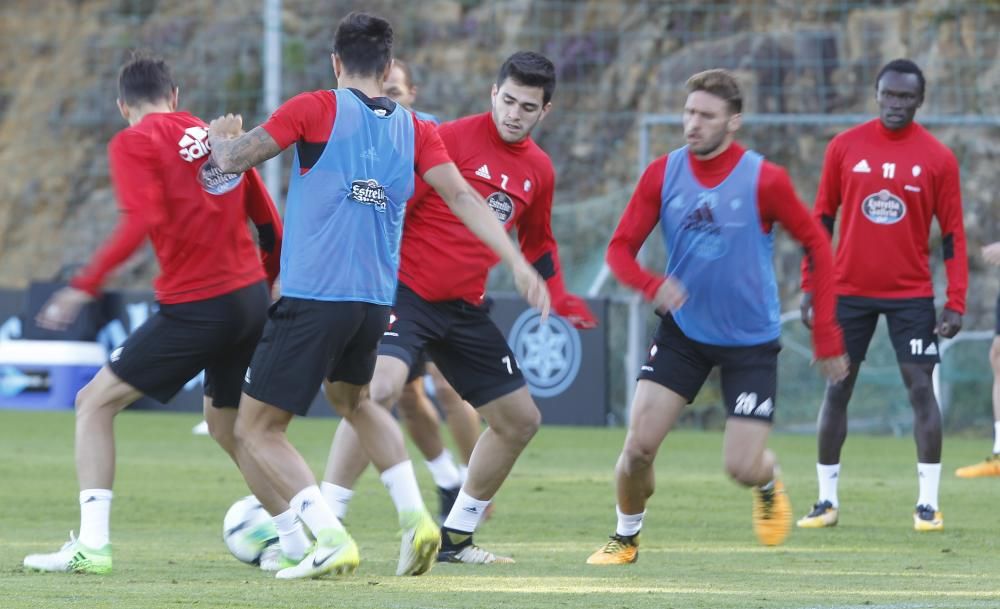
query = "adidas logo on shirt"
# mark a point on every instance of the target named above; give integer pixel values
(484, 172)
(862, 167)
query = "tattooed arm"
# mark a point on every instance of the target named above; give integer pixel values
(235, 151)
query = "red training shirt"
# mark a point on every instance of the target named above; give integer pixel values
(890, 184)
(441, 259)
(164, 186)
(776, 201)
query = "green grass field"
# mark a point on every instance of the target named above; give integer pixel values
(697, 550)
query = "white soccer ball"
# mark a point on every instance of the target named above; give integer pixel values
(248, 529)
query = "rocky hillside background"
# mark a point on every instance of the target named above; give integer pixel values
(616, 61)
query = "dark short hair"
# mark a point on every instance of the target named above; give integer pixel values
(364, 44)
(720, 83)
(145, 78)
(904, 66)
(530, 69)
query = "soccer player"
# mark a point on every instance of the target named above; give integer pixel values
(355, 154)
(439, 303)
(716, 203)
(212, 290)
(991, 465)
(416, 410)
(891, 177)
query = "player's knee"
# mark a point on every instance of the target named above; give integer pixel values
(519, 426)
(385, 393)
(837, 396)
(248, 433)
(223, 434)
(637, 456)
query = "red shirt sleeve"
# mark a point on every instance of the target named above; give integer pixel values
(828, 198)
(429, 150)
(638, 220)
(948, 210)
(140, 195)
(262, 212)
(307, 117)
(534, 233)
(778, 202)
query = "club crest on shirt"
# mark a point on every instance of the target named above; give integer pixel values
(215, 181)
(883, 207)
(502, 206)
(368, 192)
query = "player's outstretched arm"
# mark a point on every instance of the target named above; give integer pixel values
(473, 211)
(234, 151)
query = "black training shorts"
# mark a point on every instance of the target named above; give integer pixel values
(460, 338)
(307, 341)
(217, 335)
(911, 326)
(749, 374)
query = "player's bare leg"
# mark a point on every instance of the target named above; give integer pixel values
(464, 422)
(749, 462)
(348, 459)
(655, 409)
(424, 426)
(831, 434)
(991, 465)
(513, 420)
(378, 435)
(269, 463)
(927, 433)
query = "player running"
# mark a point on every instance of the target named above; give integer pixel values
(439, 304)
(890, 176)
(716, 203)
(355, 154)
(212, 291)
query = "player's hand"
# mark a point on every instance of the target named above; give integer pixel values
(576, 311)
(670, 296)
(226, 127)
(991, 253)
(806, 309)
(949, 324)
(62, 308)
(834, 368)
(532, 287)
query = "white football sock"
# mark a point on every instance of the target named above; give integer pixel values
(95, 517)
(466, 514)
(444, 472)
(996, 437)
(401, 483)
(828, 476)
(293, 540)
(929, 475)
(314, 511)
(629, 524)
(338, 497)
